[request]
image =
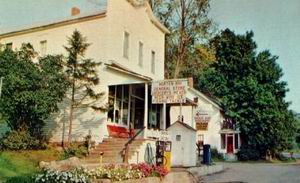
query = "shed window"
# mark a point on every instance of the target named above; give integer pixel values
(178, 137)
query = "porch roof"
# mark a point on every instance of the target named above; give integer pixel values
(227, 131)
(120, 68)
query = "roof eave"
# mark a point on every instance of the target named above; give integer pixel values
(54, 25)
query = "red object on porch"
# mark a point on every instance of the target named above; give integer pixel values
(120, 132)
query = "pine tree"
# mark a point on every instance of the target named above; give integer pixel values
(83, 77)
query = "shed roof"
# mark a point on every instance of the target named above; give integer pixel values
(184, 125)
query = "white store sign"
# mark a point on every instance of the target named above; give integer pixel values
(169, 91)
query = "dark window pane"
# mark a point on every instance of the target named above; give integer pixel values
(222, 141)
(236, 141)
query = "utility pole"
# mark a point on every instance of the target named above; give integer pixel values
(1, 81)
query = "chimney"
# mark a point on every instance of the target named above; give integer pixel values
(75, 11)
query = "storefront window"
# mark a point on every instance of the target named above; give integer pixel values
(111, 102)
(118, 104)
(126, 103)
(154, 116)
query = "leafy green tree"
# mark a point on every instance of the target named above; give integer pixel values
(31, 91)
(83, 77)
(190, 26)
(253, 95)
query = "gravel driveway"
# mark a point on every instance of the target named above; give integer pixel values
(256, 173)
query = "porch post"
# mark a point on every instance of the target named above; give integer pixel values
(146, 110)
(233, 137)
(164, 126)
(239, 140)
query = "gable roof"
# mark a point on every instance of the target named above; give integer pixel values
(51, 24)
(183, 125)
(208, 99)
(12, 31)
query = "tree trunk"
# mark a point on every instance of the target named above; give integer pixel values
(71, 113)
(181, 47)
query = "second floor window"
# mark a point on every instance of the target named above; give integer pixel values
(153, 62)
(141, 47)
(43, 47)
(126, 45)
(9, 46)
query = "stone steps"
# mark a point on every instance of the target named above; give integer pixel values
(112, 149)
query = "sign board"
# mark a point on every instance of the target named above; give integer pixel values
(169, 91)
(202, 117)
(164, 135)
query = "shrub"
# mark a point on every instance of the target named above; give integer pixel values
(75, 150)
(20, 140)
(112, 172)
(215, 155)
(247, 153)
(20, 179)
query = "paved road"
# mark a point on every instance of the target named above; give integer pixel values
(256, 173)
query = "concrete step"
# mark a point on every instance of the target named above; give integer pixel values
(113, 149)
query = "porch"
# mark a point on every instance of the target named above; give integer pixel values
(131, 110)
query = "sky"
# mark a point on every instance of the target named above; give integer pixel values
(275, 23)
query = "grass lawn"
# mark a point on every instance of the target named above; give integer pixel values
(21, 164)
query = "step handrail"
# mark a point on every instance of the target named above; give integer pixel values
(126, 146)
(134, 137)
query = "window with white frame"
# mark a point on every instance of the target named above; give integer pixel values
(141, 47)
(43, 47)
(153, 62)
(126, 45)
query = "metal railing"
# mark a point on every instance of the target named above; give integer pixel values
(126, 148)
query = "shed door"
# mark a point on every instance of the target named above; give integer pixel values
(178, 151)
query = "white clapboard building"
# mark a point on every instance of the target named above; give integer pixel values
(206, 117)
(129, 42)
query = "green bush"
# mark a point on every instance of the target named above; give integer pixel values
(21, 179)
(20, 140)
(247, 153)
(75, 150)
(215, 155)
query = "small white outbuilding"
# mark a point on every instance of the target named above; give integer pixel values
(183, 138)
